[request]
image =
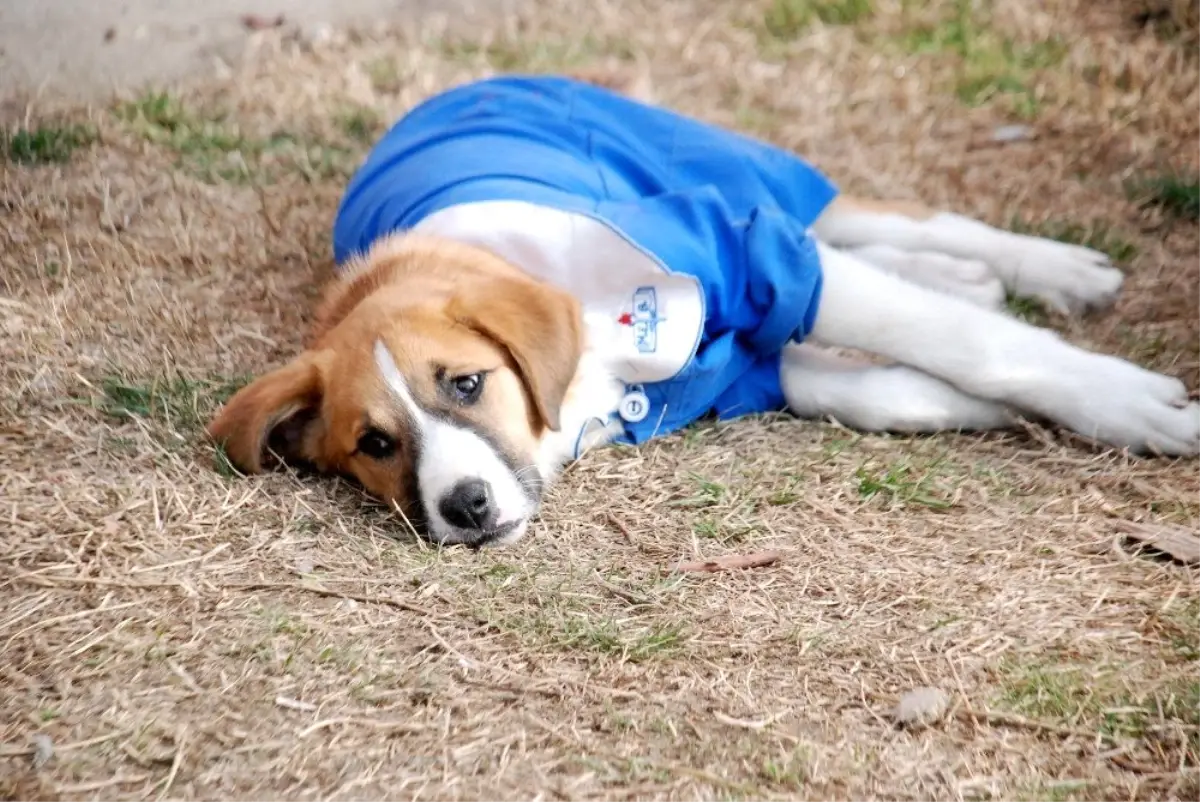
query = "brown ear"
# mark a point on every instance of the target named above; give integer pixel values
(539, 324)
(274, 413)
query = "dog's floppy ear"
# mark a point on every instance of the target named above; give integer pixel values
(275, 413)
(539, 324)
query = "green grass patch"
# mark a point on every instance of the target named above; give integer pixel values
(710, 528)
(1049, 693)
(209, 148)
(178, 402)
(46, 144)
(1181, 624)
(1180, 702)
(160, 118)
(385, 76)
(902, 484)
(223, 465)
(1176, 194)
(213, 148)
(362, 124)
(1098, 699)
(790, 770)
(992, 65)
(785, 20)
(785, 495)
(609, 637)
(588, 632)
(1097, 235)
(708, 494)
(1031, 310)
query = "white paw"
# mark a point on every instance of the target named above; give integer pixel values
(1068, 278)
(1125, 406)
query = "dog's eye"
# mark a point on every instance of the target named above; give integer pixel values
(467, 388)
(376, 444)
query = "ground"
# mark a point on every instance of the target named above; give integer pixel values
(173, 630)
(82, 50)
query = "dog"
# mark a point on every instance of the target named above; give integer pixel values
(533, 266)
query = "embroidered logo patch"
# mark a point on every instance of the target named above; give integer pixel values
(644, 319)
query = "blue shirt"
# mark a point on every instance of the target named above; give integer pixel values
(715, 210)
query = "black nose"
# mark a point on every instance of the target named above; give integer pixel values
(468, 505)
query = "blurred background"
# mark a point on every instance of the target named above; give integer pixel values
(83, 49)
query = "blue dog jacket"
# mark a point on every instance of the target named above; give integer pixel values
(685, 242)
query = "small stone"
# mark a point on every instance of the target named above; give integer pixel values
(316, 35)
(921, 707)
(43, 750)
(1012, 133)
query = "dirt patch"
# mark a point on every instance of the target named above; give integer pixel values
(173, 630)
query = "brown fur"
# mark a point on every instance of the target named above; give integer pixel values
(909, 209)
(442, 309)
(435, 303)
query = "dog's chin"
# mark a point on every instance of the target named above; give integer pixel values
(504, 534)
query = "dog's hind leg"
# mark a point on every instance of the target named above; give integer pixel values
(1069, 278)
(968, 279)
(991, 356)
(874, 398)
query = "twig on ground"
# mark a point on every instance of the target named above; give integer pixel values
(1012, 720)
(295, 704)
(406, 727)
(100, 785)
(730, 562)
(363, 598)
(1175, 541)
(621, 593)
(620, 527)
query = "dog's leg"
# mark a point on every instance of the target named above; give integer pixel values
(968, 279)
(873, 398)
(995, 357)
(1069, 278)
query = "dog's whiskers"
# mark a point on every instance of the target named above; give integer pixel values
(530, 478)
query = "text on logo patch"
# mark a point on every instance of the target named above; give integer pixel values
(644, 319)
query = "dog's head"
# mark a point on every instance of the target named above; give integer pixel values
(434, 372)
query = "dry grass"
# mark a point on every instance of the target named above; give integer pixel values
(177, 632)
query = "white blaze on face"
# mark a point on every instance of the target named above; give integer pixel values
(451, 454)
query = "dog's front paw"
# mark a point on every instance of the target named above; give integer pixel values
(1068, 278)
(1126, 406)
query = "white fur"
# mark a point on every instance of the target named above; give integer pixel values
(918, 292)
(961, 367)
(450, 454)
(594, 261)
(969, 279)
(594, 397)
(871, 398)
(991, 356)
(1069, 278)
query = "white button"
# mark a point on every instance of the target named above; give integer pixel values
(635, 406)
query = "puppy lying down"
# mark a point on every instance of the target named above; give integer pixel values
(529, 267)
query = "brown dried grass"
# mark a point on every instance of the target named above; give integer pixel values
(176, 632)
